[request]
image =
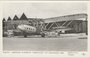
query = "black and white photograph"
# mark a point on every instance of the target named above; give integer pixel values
(45, 26)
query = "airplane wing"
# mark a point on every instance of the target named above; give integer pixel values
(65, 18)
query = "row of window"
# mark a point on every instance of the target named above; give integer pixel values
(30, 29)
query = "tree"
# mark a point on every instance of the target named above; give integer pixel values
(3, 20)
(23, 17)
(15, 18)
(9, 18)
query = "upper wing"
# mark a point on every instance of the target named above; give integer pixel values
(65, 18)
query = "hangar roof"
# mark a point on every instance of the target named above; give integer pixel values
(66, 18)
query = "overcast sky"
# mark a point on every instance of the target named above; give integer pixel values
(43, 10)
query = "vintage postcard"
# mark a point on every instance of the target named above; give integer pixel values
(44, 29)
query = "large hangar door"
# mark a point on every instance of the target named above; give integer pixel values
(80, 27)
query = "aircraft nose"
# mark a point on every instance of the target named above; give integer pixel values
(20, 27)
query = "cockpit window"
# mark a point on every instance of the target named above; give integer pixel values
(30, 24)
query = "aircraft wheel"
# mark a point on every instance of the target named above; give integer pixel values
(42, 35)
(25, 35)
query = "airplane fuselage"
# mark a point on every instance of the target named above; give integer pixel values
(29, 30)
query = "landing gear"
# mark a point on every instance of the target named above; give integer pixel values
(25, 35)
(42, 35)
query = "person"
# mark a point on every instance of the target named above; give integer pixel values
(59, 33)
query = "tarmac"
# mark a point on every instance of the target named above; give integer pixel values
(64, 42)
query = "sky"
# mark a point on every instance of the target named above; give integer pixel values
(43, 10)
